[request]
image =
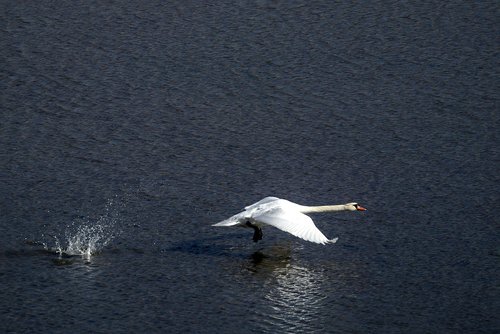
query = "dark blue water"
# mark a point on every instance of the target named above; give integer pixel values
(127, 129)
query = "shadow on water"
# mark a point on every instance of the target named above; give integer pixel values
(211, 246)
(263, 254)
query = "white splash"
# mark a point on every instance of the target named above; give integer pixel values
(87, 240)
(87, 237)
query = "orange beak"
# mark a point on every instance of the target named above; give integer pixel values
(360, 208)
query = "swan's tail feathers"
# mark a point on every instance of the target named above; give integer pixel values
(332, 241)
(231, 221)
(227, 222)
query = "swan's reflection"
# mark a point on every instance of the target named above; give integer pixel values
(294, 293)
(271, 261)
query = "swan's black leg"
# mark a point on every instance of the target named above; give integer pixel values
(257, 232)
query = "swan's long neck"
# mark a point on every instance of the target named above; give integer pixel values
(323, 208)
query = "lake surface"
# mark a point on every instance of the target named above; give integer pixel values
(127, 129)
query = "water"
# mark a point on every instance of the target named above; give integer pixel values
(126, 130)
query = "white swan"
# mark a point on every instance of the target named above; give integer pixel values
(286, 216)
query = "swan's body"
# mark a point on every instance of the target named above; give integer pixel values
(287, 216)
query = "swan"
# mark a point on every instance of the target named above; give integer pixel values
(286, 216)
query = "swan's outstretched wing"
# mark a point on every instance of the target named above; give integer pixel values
(262, 201)
(295, 223)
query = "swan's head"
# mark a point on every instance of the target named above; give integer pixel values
(354, 207)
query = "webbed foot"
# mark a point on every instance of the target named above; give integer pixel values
(257, 232)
